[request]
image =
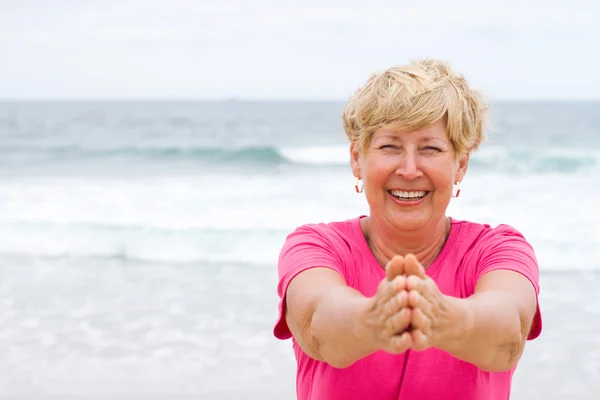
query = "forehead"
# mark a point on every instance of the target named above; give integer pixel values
(433, 132)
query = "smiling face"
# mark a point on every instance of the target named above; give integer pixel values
(408, 177)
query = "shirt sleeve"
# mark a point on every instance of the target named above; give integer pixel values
(307, 247)
(507, 249)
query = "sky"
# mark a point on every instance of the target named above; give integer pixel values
(282, 49)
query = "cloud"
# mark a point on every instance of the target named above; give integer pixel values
(110, 22)
(202, 48)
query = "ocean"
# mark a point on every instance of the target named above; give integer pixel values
(139, 240)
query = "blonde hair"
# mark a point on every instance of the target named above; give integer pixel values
(410, 97)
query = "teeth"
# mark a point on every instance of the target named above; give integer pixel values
(408, 195)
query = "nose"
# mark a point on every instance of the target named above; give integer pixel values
(409, 165)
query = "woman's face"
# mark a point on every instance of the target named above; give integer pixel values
(408, 177)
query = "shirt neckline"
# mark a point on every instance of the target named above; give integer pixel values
(432, 270)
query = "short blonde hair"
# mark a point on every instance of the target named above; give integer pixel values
(410, 97)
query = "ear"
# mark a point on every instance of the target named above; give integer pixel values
(355, 159)
(463, 163)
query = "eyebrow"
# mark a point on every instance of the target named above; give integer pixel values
(425, 139)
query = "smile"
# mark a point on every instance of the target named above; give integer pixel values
(403, 195)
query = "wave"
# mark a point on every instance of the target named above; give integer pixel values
(140, 244)
(539, 161)
(266, 154)
(497, 159)
(214, 247)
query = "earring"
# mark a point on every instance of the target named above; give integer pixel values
(358, 185)
(456, 189)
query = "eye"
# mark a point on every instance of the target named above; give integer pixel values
(388, 147)
(432, 149)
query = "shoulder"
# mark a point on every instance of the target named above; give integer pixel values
(481, 248)
(337, 233)
(486, 248)
(333, 245)
(316, 241)
(479, 235)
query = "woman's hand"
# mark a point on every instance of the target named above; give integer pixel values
(408, 311)
(430, 319)
(386, 320)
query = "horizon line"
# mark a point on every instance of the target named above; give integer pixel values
(234, 99)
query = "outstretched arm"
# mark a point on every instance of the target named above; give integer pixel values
(489, 329)
(336, 324)
(322, 315)
(497, 320)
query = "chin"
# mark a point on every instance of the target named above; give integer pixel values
(409, 222)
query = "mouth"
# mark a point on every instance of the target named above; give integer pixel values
(408, 196)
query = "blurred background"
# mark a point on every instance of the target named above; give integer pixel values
(154, 155)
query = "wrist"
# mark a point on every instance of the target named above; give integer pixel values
(362, 330)
(458, 324)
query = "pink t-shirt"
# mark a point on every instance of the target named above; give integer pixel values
(470, 251)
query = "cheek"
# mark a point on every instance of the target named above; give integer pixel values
(441, 177)
(376, 172)
(383, 165)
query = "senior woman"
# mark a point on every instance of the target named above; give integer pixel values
(407, 302)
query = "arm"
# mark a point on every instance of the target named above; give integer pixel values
(338, 325)
(491, 326)
(323, 315)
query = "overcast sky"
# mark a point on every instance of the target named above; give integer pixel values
(311, 49)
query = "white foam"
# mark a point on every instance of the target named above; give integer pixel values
(245, 219)
(318, 155)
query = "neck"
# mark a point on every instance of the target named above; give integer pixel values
(386, 242)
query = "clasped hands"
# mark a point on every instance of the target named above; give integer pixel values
(408, 310)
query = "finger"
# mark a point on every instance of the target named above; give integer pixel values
(399, 283)
(415, 283)
(388, 289)
(394, 267)
(422, 302)
(420, 321)
(395, 304)
(412, 266)
(420, 341)
(415, 299)
(400, 343)
(397, 323)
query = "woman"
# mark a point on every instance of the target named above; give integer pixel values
(408, 303)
